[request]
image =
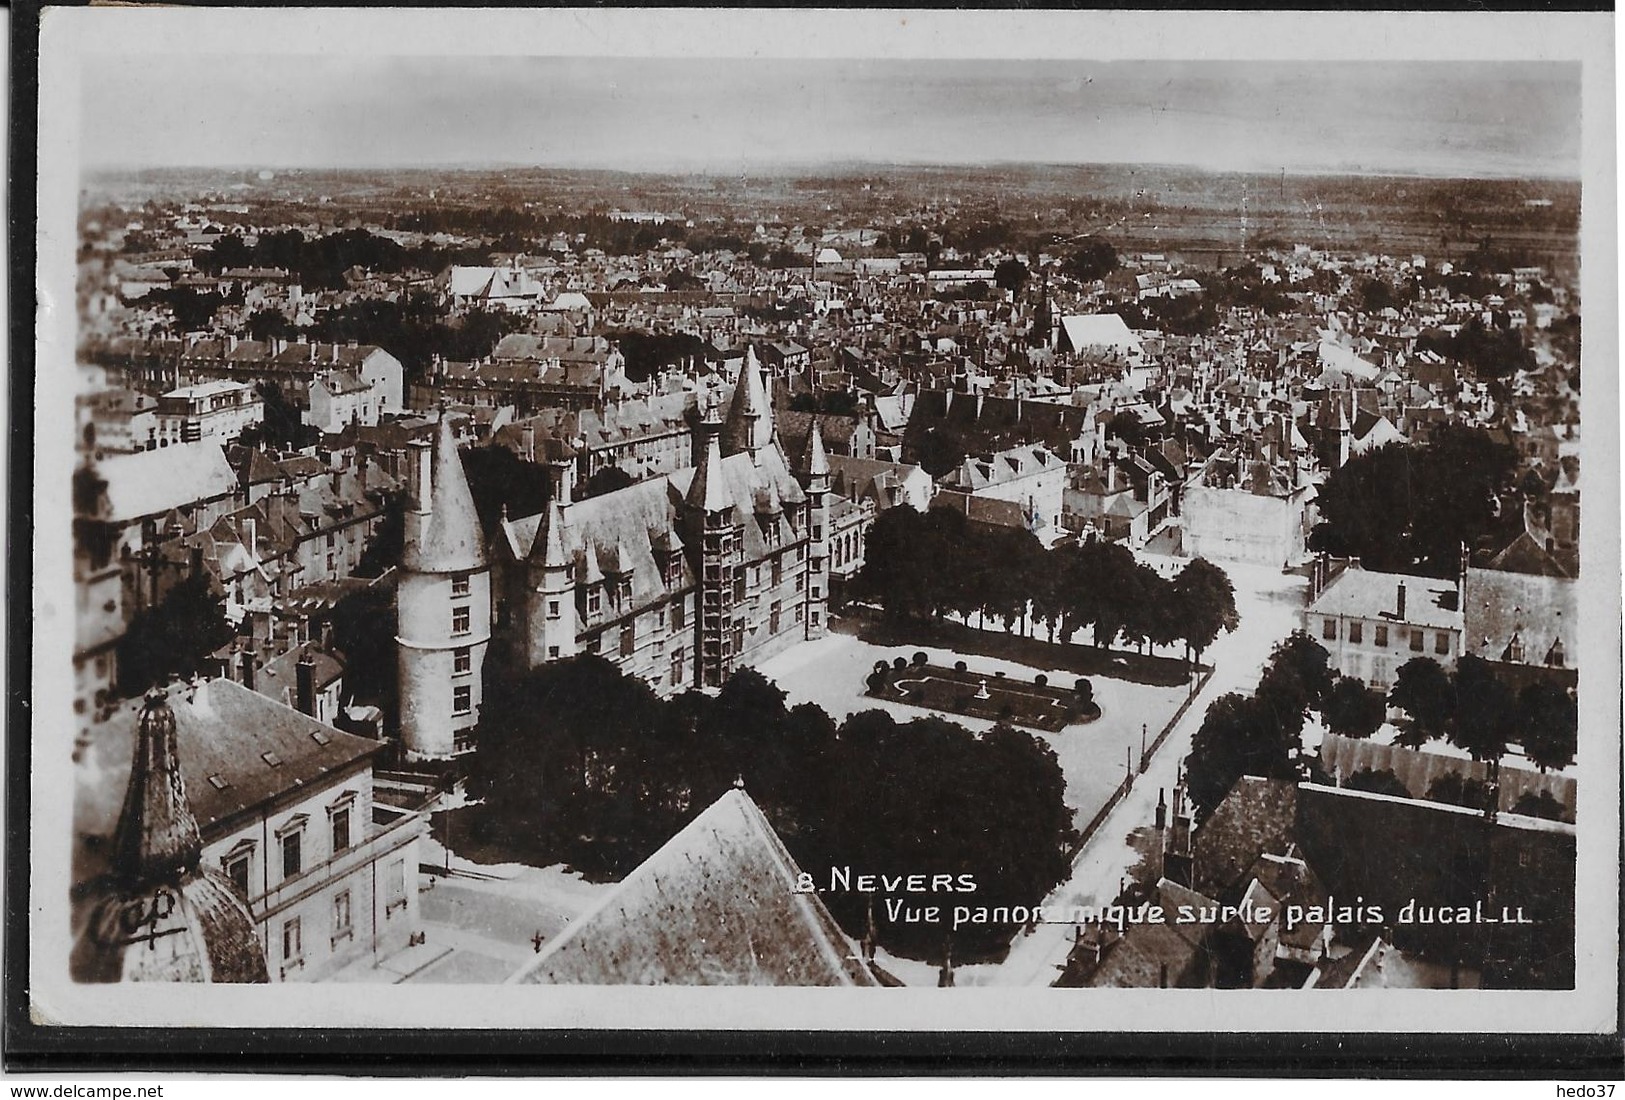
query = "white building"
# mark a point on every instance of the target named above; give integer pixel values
(340, 398)
(1372, 623)
(218, 410)
(286, 811)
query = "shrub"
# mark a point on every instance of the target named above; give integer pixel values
(1538, 805)
(920, 658)
(1085, 690)
(877, 680)
(881, 666)
(1006, 712)
(1041, 680)
(999, 675)
(899, 664)
(960, 666)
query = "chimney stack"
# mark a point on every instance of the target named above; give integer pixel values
(248, 667)
(1401, 601)
(305, 686)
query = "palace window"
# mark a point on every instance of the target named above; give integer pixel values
(459, 620)
(552, 653)
(1328, 629)
(462, 699)
(293, 942)
(342, 926)
(594, 600)
(1417, 640)
(679, 614)
(394, 887)
(1382, 636)
(462, 660)
(459, 584)
(1356, 632)
(773, 618)
(239, 865)
(778, 571)
(293, 852)
(340, 820)
(552, 609)
(1441, 644)
(629, 638)
(677, 665)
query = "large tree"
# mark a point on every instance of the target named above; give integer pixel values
(1353, 710)
(1486, 710)
(612, 772)
(1240, 735)
(1206, 602)
(174, 637)
(1410, 508)
(1548, 724)
(1427, 694)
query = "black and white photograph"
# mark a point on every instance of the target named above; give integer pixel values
(1055, 519)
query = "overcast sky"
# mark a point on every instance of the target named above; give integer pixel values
(1455, 118)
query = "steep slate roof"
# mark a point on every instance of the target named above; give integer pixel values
(451, 540)
(716, 905)
(149, 483)
(222, 732)
(1538, 610)
(1257, 816)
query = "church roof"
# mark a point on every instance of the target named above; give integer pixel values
(715, 905)
(451, 539)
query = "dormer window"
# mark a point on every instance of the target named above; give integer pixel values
(594, 600)
(1555, 656)
(1514, 650)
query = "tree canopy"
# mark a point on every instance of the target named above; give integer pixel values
(614, 772)
(173, 637)
(1410, 508)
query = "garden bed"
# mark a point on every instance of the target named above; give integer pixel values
(990, 696)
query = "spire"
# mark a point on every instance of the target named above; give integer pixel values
(817, 460)
(157, 838)
(551, 538)
(450, 539)
(749, 426)
(707, 492)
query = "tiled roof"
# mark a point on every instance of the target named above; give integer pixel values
(716, 905)
(451, 539)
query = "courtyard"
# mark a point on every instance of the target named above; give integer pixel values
(1094, 757)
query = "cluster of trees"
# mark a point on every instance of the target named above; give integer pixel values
(648, 353)
(920, 565)
(1094, 260)
(174, 637)
(615, 771)
(1456, 789)
(284, 425)
(498, 479)
(1410, 508)
(1477, 711)
(1258, 734)
(1492, 351)
(190, 309)
(826, 402)
(319, 263)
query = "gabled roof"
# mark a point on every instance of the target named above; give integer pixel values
(715, 905)
(1536, 611)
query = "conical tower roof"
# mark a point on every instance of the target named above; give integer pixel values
(707, 492)
(158, 915)
(817, 459)
(749, 425)
(157, 837)
(450, 541)
(550, 539)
